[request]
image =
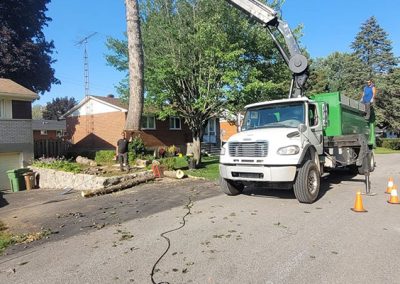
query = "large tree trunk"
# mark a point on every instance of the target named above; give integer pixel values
(197, 149)
(135, 52)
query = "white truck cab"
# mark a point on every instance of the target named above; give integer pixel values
(277, 138)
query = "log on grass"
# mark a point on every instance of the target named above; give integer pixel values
(179, 174)
(121, 186)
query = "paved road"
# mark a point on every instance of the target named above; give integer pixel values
(257, 237)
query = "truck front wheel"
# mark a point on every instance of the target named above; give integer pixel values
(230, 187)
(307, 184)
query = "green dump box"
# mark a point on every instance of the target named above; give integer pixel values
(17, 179)
(346, 116)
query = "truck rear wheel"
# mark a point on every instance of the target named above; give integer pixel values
(230, 187)
(307, 184)
(371, 164)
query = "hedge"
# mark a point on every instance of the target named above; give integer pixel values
(391, 143)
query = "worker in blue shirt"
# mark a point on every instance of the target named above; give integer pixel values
(368, 97)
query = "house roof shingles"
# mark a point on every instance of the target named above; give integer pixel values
(113, 101)
(10, 88)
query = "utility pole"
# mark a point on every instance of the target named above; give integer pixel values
(84, 42)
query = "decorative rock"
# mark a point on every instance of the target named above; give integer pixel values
(85, 161)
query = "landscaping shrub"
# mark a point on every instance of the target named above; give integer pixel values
(174, 163)
(180, 162)
(391, 143)
(168, 163)
(136, 148)
(105, 156)
(57, 164)
(379, 141)
(172, 151)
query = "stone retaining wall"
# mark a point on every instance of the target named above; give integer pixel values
(52, 179)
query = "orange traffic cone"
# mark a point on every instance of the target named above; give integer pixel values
(389, 185)
(358, 205)
(394, 198)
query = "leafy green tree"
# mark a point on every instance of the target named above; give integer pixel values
(203, 56)
(338, 72)
(25, 55)
(58, 107)
(37, 112)
(373, 47)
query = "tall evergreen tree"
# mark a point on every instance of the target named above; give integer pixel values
(373, 47)
(25, 55)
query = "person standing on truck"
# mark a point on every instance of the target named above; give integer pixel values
(122, 152)
(368, 97)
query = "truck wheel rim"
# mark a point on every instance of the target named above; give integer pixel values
(312, 182)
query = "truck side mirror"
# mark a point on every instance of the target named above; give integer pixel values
(325, 115)
(302, 128)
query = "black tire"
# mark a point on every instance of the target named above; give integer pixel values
(230, 187)
(372, 162)
(307, 184)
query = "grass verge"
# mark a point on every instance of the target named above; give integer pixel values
(6, 238)
(208, 169)
(381, 150)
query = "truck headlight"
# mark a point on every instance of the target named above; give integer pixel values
(289, 150)
(222, 151)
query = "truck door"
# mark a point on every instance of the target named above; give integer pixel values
(314, 129)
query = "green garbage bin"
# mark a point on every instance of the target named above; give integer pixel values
(17, 180)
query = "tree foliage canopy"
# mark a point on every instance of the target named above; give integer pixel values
(372, 59)
(58, 107)
(373, 47)
(25, 55)
(201, 57)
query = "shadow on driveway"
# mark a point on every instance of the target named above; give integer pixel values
(327, 182)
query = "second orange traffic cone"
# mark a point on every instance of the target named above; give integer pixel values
(358, 205)
(389, 186)
(394, 198)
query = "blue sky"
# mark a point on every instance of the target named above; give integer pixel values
(328, 26)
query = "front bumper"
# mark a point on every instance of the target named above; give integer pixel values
(258, 173)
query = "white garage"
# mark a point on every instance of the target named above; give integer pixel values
(8, 161)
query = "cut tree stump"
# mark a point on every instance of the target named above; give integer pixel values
(179, 174)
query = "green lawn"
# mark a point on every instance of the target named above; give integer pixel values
(208, 169)
(380, 150)
(5, 237)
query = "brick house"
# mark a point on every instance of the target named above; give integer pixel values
(96, 123)
(48, 129)
(228, 125)
(16, 135)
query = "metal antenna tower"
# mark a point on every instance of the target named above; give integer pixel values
(84, 42)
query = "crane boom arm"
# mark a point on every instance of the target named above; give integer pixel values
(297, 62)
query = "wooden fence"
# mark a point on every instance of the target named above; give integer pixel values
(50, 148)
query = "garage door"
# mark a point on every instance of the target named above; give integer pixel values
(8, 161)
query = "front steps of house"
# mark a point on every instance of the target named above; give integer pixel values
(210, 148)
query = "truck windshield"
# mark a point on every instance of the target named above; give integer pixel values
(277, 115)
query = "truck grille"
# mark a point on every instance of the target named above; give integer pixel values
(248, 149)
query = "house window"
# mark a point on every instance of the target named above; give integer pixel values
(43, 132)
(59, 133)
(148, 122)
(174, 123)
